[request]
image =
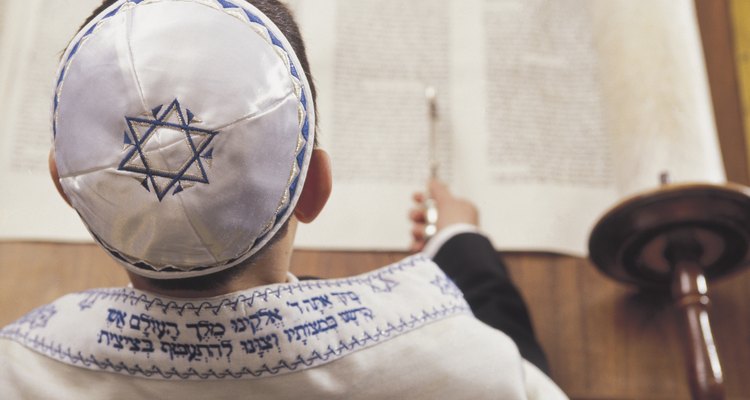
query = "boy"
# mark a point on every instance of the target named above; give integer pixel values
(184, 136)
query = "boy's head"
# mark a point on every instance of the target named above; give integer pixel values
(184, 132)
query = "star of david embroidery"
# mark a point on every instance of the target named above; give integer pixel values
(167, 150)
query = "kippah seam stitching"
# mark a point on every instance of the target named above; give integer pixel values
(195, 231)
(251, 116)
(134, 72)
(88, 171)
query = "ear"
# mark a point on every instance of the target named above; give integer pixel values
(56, 176)
(317, 189)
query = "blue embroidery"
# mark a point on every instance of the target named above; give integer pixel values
(198, 351)
(39, 317)
(447, 286)
(140, 158)
(294, 326)
(352, 315)
(255, 320)
(302, 332)
(226, 4)
(346, 297)
(176, 350)
(261, 344)
(377, 281)
(144, 324)
(205, 330)
(119, 341)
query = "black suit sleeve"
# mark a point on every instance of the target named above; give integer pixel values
(473, 264)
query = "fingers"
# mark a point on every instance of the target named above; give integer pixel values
(416, 247)
(417, 215)
(438, 191)
(417, 232)
(418, 236)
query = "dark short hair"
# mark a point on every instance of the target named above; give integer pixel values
(282, 17)
(221, 278)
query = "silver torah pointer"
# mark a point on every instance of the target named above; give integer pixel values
(430, 206)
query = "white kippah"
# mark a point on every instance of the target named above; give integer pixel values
(183, 130)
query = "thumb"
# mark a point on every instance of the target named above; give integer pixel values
(439, 191)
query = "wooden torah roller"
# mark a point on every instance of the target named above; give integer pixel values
(673, 238)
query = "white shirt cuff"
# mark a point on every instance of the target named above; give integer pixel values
(290, 278)
(432, 247)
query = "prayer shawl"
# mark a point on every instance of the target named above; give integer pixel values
(402, 331)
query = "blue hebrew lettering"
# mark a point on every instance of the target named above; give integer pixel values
(197, 352)
(349, 316)
(317, 303)
(249, 346)
(345, 297)
(272, 316)
(103, 333)
(261, 344)
(135, 323)
(148, 346)
(116, 317)
(296, 305)
(148, 325)
(227, 345)
(238, 325)
(120, 342)
(117, 339)
(256, 321)
(206, 330)
(92, 297)
(303, 331)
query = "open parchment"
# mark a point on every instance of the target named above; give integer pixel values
(550, 112)
(33, 36)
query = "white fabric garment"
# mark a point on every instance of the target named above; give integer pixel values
(402, 331)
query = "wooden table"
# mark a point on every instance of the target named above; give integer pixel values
(603, 340)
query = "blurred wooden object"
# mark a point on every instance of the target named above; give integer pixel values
(715, 22)
(602, 341)
(672, 239)
(739, 11)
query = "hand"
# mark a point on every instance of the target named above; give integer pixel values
(451, 210)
